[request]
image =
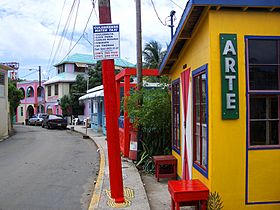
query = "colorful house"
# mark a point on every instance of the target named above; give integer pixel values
(224, 61)
(94, 108)
(33, 101)
(67, 71)
(4, 104)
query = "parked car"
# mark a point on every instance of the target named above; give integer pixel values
(37, 119)
(54, 121)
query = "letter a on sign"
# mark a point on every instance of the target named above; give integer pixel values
(229, 76)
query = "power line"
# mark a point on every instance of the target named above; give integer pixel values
(74, 26)
(29, 74)
(56, 33)
(64, 32)
(164, 24)
(176, 4)
(85, 38)
(80, 36)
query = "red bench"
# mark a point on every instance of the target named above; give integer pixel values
(162, 160)
(187, 192)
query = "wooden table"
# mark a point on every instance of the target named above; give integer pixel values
(165, 160)
(187, 192)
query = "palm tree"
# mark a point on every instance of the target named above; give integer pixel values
(153, 54)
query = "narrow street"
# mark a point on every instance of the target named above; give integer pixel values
(47, 169)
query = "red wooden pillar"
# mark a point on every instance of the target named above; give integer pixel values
(126, 118)
(118, 86)
(110, 97)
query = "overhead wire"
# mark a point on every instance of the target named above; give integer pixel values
(80, 36)
(56, 33)
(164, 24)
(176, 4)
(29, 74)
(74, 25)
(64, 32)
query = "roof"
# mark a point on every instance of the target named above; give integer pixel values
(93, 92)
(100, 87)
(62, 77)
(4, 67)
(88, 59)
(192, 14)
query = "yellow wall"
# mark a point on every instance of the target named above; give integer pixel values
(228, 137)
(195, 54)
(4, 106)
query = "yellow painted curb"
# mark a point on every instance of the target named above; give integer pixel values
(99, 182)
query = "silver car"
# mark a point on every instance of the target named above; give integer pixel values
(37, 119)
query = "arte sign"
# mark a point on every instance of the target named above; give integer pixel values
(106, 41)
(229, 76)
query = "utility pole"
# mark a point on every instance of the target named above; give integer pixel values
(139, 45)
(40, 76)
(110, 99)
(172, 13)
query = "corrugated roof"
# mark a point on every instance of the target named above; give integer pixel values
(192, 13)
(88, 59)
(62, 77)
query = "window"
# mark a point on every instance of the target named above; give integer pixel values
(176, 115)
(200, 122)
(49, 90)
(56, 90)
(21, 111)
(2, 85)
(263, 95)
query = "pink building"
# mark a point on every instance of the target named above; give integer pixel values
(33, 102)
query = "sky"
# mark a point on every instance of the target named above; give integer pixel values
(32, 30)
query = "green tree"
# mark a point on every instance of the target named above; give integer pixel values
(154, 118)
(95, 75)
(14, 97)
(66, 105)
(78, 89)
(153, 55)
(70, 103)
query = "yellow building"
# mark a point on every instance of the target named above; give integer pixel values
(4, 104)
(224, 61)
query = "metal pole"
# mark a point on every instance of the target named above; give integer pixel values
(110, 99)
(139, 45)
(172, 13)
(39, 76)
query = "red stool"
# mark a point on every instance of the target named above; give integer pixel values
(161, 160)
(187, 192)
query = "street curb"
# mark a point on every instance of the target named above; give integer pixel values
(99, 182)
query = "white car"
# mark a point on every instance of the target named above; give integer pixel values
(37, 119)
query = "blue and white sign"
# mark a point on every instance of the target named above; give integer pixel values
(106, 41)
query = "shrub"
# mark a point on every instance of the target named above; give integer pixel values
(154, 119)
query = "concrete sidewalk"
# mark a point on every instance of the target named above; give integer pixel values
(134, 190)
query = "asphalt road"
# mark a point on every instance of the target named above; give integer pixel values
(47, 169)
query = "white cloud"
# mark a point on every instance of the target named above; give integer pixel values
(28, 27)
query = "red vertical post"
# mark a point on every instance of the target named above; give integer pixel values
(108, 71)
(118, 86)
(126, 118)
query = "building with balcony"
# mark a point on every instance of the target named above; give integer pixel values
(67, 71)
(33, 101)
